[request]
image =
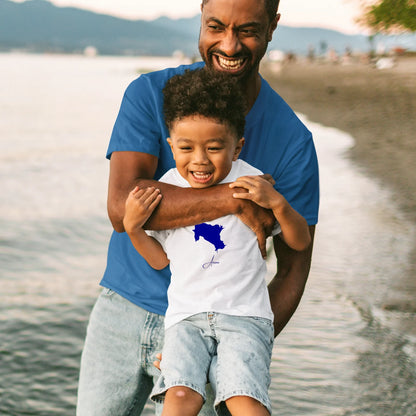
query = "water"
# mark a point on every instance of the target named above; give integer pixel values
(343, 354)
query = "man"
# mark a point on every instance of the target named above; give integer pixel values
(126, 325)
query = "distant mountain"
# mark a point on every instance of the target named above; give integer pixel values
(39, 26)
(300, 39)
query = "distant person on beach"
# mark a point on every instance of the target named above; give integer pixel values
(126, 327)
(218, 300)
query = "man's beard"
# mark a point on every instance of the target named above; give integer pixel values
(243, 78)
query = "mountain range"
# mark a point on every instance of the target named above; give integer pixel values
(40, 26)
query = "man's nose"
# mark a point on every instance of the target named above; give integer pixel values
(230, 43)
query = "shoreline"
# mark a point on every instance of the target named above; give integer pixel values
(378, 109)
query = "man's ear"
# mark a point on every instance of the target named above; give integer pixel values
(272, 27)
(238, 148)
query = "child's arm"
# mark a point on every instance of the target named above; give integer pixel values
(295, 230)
(139, 206)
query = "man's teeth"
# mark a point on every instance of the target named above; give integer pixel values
(230, 63)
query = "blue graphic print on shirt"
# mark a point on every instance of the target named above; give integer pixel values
(210, 233)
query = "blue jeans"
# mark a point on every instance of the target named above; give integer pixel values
(117, 372)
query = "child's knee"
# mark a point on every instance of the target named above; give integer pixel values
(183, 393)
(181, 400)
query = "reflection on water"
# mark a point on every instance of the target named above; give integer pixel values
(350, 348)
(342, 351)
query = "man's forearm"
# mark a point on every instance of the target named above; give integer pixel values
(287, 287)
(181, 207)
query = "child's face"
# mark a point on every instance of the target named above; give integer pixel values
(203, 149)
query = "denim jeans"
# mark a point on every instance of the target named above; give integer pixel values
(117, 372)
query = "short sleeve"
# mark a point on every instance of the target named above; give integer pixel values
(138, 126)
(160, 236)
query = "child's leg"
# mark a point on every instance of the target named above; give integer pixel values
(186, 359)
(182, 401)
(242, 373)
(245, 406)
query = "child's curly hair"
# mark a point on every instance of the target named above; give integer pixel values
(205, 93)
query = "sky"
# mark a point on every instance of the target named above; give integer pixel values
(331, 14)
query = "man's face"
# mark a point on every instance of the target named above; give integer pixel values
(234, 36)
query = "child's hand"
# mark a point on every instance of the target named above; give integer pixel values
(140, 205)
(158, 360)
(260, 190)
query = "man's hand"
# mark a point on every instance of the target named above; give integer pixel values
(269, 178)
(260, 220)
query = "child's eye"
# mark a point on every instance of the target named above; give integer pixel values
(214, 149)
(185, 148)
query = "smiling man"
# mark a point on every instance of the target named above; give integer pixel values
(234, 39)
(126, 325)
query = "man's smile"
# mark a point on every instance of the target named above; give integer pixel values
(229, 64)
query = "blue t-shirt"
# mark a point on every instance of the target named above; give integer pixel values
(276, 142)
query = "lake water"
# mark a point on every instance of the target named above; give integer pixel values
(346, 352)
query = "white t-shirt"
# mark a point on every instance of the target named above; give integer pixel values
(216, 266)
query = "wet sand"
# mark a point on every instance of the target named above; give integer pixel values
(378, 108)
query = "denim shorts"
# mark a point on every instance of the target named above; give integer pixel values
(233, 353)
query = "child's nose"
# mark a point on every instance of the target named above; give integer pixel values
(200, 157)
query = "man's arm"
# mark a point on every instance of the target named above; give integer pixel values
(179, 207)
(126, 168)
(286, 288)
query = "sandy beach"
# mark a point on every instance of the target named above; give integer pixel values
(378, 108)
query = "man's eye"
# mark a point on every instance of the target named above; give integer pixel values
(248, 32)
(214, 27)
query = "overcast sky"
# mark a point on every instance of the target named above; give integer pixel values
(332, 14)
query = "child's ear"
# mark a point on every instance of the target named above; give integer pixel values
(238, 148)
(169, 140)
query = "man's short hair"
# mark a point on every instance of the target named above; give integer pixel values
(205, 93)
(271, 7)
